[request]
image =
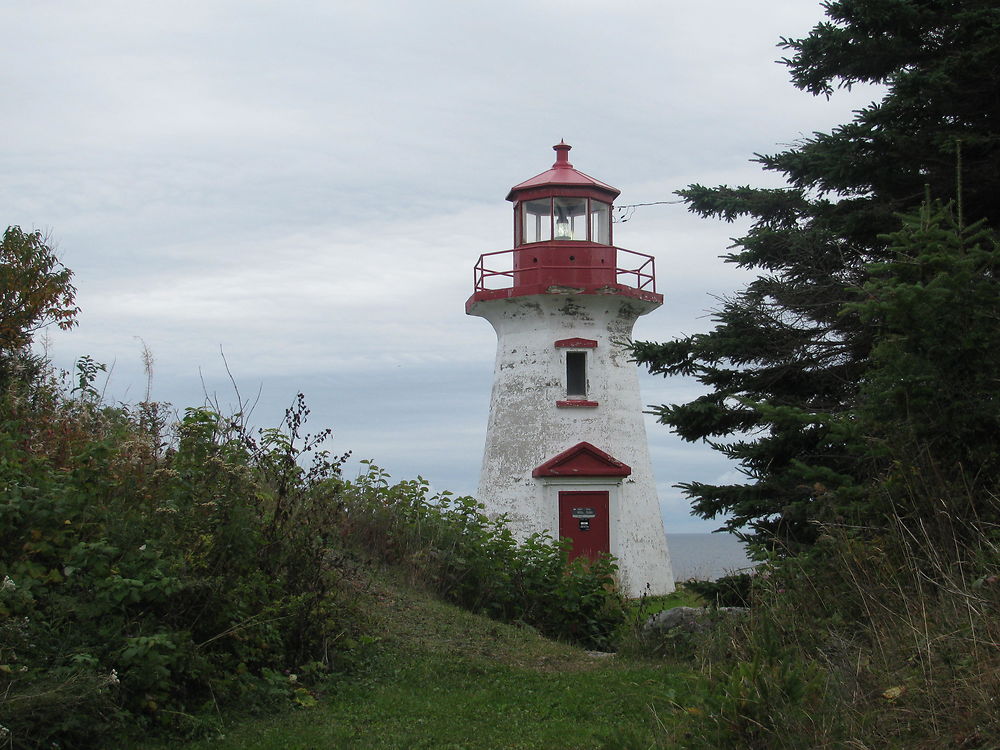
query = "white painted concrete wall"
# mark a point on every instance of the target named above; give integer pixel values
(526, 428)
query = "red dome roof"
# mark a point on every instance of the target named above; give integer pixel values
(562, 174)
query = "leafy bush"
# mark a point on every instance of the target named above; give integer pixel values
(447, 543)
(153, 577)
(727, 591)
(37, 289)
(149, 579)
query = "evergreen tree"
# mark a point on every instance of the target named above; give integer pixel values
(928, 412)
(788, 359)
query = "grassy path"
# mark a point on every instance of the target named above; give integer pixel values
(450, 680)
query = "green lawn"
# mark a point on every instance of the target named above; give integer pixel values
(449, 680)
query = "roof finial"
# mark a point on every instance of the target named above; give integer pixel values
(562, 155)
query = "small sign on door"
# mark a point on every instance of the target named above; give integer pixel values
(584, 513)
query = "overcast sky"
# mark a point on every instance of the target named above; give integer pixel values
(307, 185)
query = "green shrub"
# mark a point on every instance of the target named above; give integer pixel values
(448, 543)
(728, 591)
(153, 576)
(148, 580)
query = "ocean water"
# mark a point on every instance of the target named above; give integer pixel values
(706, 556)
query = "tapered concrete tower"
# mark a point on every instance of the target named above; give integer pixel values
(566, 447)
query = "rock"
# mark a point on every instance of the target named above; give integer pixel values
(689, 619)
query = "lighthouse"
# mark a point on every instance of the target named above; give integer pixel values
(566, 449)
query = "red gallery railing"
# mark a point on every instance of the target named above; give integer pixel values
(642, 276)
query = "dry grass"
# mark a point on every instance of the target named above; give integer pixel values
(876, 640)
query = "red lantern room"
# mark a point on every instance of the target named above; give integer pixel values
(563, 242)
(562, 204)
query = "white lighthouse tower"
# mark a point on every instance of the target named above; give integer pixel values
(566, 447)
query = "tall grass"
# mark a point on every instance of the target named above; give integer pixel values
(878, 638)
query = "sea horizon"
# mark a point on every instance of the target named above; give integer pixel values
(705, 557)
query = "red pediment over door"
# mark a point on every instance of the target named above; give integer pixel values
(582, 460)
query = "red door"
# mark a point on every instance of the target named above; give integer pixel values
(583, 519)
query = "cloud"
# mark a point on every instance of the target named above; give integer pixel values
(307, 185)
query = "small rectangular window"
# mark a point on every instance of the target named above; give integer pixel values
(576, 373)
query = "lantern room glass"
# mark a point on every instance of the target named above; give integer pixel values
(600, 222)
(537, 220)
(570, 218)
(563, 218)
